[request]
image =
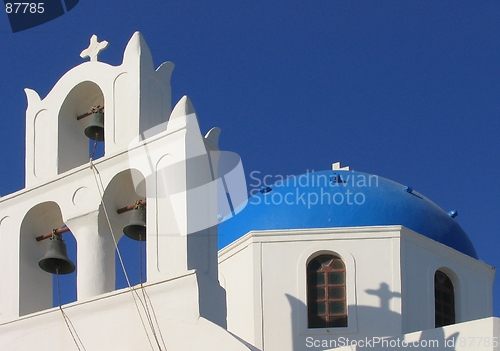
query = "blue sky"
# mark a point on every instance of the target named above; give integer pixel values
(407, 90)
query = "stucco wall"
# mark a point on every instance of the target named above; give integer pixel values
(389, 276)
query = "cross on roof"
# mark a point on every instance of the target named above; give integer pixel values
(94, 48)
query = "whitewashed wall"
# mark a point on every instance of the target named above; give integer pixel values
(380, 302)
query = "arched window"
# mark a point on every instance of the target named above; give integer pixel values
(326, 292)
(444, 297)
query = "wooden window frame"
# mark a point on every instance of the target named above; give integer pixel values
(326, 293)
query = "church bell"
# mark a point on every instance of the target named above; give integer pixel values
(136, 229)
(95, 127)
(56, 258)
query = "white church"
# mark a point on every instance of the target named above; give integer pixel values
(328, 260)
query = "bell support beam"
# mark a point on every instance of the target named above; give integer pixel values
(50, 234)
(86, 114)
(131, 207)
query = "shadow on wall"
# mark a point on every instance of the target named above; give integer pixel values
(373, 321)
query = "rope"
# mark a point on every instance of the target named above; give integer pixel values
(100, 188)
(94, 148)
(147, 299)
(71, 328)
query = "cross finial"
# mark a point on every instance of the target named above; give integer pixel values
(94, 48)
(336, 166)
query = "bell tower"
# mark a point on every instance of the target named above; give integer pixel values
(154, 157)
(135, 98)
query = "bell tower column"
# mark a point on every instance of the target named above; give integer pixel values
(182, 208)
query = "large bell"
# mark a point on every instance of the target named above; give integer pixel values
(56, 259)
(95, 127)
(136, 229)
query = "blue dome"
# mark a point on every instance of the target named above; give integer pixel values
(332, 199)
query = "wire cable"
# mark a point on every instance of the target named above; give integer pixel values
(100, 188)
(71, 327)
(147, 298)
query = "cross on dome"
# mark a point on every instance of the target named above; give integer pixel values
(94, 48)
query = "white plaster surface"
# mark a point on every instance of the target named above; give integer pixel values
(158, 154)
(64, 187)
(388, 293)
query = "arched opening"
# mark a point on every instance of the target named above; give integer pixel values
(326, 292)
(36, 286)
(125, 189)
(74, 147)
(444, 300)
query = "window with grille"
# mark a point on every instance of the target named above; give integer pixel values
(444, 297)
(326, 292)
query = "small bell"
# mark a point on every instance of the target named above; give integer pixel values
(56, 259)
(136, 229)
(95, 127)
